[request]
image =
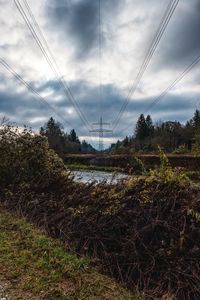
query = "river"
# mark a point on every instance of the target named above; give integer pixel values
(98, 176)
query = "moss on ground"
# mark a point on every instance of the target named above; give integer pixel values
(34, 266)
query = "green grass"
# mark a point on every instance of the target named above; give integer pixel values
(77, 167)
(34, 266)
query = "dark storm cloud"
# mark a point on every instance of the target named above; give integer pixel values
(87, 96)
(24, 108)
(14, 104)
(181, 43)
(79, 22)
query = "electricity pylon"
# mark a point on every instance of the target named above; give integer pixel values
(101, 132)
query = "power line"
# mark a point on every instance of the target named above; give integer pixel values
(145, 62)
(173, 84)
(183, 74)
(60, 77)
(164, 22)
(29, 87)
(100, 55)
(49, 57)
(159, 33)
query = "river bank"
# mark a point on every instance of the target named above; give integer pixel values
(124, 162)
(85, 167)
(89, 173)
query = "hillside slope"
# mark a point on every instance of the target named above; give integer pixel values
(34, 266)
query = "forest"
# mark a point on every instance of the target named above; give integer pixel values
(171, 136)
(61, 141)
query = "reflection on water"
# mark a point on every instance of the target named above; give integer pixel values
(98, 176)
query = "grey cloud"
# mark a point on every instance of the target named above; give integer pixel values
(42, 87)
(79, 22)
(171, 106)
(87, 96)
(18, 104)
(181, 42)
(24, 108)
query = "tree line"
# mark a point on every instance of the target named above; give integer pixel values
(171, 136)
(61, 141)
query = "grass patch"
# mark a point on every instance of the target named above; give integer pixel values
(79, 167)
(35, 266)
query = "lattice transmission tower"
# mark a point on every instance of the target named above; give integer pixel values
(101, 132)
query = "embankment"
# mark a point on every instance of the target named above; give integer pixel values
(36, 267)
(145, 233)
(124, 161)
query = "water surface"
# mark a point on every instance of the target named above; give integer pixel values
(98, 176)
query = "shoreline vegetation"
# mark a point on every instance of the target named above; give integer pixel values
(82, 167)
(137, 170)
(131, 163)
(144, 232)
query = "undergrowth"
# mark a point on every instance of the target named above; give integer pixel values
(37, 267)
(167, 174)
(145, 232)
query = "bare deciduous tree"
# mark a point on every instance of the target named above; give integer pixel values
(3, 120)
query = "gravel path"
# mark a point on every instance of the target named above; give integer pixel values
(2, 293)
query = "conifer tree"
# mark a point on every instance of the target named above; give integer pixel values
(141, 130)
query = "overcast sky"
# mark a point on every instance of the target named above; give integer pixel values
(71, 28)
